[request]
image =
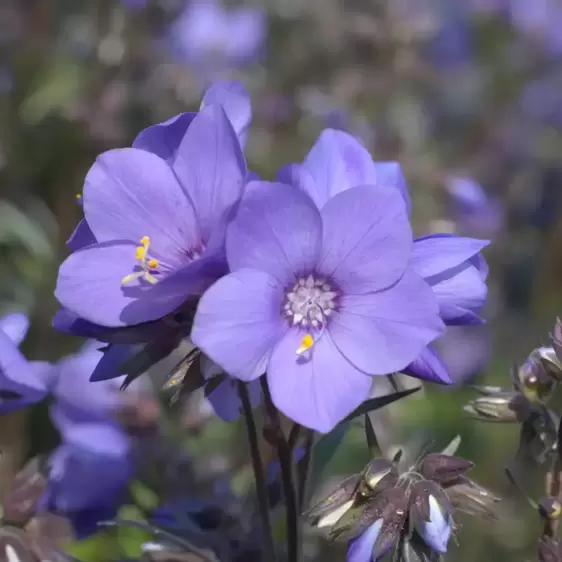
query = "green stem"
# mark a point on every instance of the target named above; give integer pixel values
(257, 465)
(285, 456)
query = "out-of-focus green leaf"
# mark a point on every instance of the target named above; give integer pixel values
(143, 496)
(130, 539)
(88, 550)
(58, 87)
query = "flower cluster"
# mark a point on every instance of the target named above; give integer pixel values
(410, 510)
(314, 280)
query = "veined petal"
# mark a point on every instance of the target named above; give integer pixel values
(318, 390)
(389, 174)
(436, 253)
(130, 193)
(277, 229)
(81, 237)
(233, 97)
(15, 325)
(90, 286)
(163, 139)
(367, 239)
(210, 166)
(383, 332)
(238, 322)
(361, 548)
(428, 366)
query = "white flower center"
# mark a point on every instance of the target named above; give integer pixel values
(310, 302)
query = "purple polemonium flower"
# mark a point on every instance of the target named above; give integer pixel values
(320, 300)
(207, 34)
(22, 382)
(165, 139)
(436, 532)
(159, 227)
(361, 548)
(451, 265)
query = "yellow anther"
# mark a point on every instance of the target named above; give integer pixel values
(152, 263)
(79, 196)
(145, 241)
(306, 343)
(141, 252)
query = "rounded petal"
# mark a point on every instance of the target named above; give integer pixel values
(336, 163)
(210, 166)
(316, 391)
(434, 254)
(90, 286)
(130, 193)
(389, 174)
(238, 322)
(21, 382)
(381, 333)
(15, 325)
(361, 548)
(81, 237)
(428, 367)
(461, 293)
(164, 138)
(277, 229)
(367, 239)
(235, 100)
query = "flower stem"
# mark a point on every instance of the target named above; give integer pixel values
(285, 455)
(304, 469)
(257, 466)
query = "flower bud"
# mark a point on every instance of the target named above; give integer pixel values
(430, 514)
(505, 406)
(389, 506)
(539, 434)
(379, 474)
(550, 550)
(537, 377)
(557, 339)
(465, 495)
(550, 508)
(327, 512)
(443, 468)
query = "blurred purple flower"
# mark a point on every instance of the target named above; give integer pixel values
(474, 212)
(174, 204)
(319, 300)
(134, 4)
(212, 37)
(451, 265)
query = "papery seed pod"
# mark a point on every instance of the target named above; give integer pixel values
(390, 506)
(15, 546)
(550, 550)
(467, 496)
(505, 406)
(21, 498)
(538, 437)
(378, 475)
(443, 468)
(430, 514)
(537, 377)
(327, 512)
(550, 508)
(557, 339)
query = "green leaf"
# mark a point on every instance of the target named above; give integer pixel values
(144, 496)
(131, 539)
(380, 402)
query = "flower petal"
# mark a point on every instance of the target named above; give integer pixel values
(389, 174)
(277, 229)
(461, 293)
(383, 332)
(225, 401)
(81, 237)
(89, 285)
(361, 548)
(235, 100)
(367, 239)
(210, 166)
(316, 391)
(238, 322)
(15, 325)
(130, 193)
(163, 139)
(428, 367)
(433, 254)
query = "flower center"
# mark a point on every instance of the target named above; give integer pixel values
(308, 304)
(148, 266)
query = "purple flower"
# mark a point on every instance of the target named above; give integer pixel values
(361, 548)
(320, 300)
(437, 531)
(22, 383)
(158, 221)
(451, 265)
(206, 34)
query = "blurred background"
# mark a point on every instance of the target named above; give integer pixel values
(465, 94)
